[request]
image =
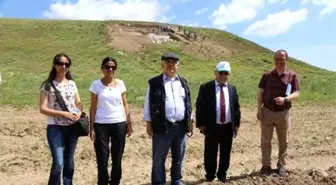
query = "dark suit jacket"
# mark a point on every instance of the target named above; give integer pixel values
(206, 105)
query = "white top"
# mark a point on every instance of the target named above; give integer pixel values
(227, 103)
(174, 104)
(110, 108)
(68, 92)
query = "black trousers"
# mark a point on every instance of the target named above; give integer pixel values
(219, 135)
(116, 133)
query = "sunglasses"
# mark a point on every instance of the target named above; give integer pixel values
(58, 63)
(223, 73)
(109, 67)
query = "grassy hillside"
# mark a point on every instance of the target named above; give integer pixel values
(27, 48)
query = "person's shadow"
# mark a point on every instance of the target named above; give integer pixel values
(185, 182)
(245, 176)
(230, 179)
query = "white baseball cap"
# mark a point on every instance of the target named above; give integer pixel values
(223, 66)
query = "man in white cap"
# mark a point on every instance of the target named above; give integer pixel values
(218, 118)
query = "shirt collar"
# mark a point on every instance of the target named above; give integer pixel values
(219, 83)
(286, 72)
(165, 77)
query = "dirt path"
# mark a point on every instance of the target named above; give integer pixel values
(134, 38)
(180, 37)
(25, 157)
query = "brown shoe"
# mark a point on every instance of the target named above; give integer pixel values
(266, 170)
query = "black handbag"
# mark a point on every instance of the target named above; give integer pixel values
(81, 126)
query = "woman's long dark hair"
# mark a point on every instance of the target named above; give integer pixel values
(52, 74)
(107, 59)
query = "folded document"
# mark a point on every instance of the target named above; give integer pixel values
(289, 89)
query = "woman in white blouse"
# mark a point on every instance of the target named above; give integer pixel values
(61, 138)
(109, 121)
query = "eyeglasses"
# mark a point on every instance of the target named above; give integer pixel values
(109, 67)
(223, 73)
(280, 59)
(67, 65)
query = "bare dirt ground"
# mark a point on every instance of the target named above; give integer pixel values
(127, 39)
(133, 38)
(25, 158)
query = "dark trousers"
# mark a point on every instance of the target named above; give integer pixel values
(116, 133)
(175, 140)
(219, 135)
(62, 142)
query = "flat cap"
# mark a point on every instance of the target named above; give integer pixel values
(169, 55)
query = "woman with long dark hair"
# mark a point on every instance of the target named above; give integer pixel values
(109, 121)
(61, 138)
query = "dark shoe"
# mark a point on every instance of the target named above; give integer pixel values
(282, 172)
(209, 179)
(222, 179)
(114, 183)
(179, 183)
(266, 170)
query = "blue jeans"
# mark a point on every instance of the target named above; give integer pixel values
(62, 142)
(175, 140)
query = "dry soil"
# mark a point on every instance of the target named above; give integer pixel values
(25, 158)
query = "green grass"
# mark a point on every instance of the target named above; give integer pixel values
(28, 46)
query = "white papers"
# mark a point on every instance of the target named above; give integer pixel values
(289, 89)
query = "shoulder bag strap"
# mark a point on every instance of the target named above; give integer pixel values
(59, 98)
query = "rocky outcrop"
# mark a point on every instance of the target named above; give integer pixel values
(158, 39)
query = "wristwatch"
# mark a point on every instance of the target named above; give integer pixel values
(286, 99)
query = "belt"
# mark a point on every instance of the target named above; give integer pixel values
(223, 125)
(277, 109)
(174, 123)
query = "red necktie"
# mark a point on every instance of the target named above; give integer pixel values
(222, 105)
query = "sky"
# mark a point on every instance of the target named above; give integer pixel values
(305, 28)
